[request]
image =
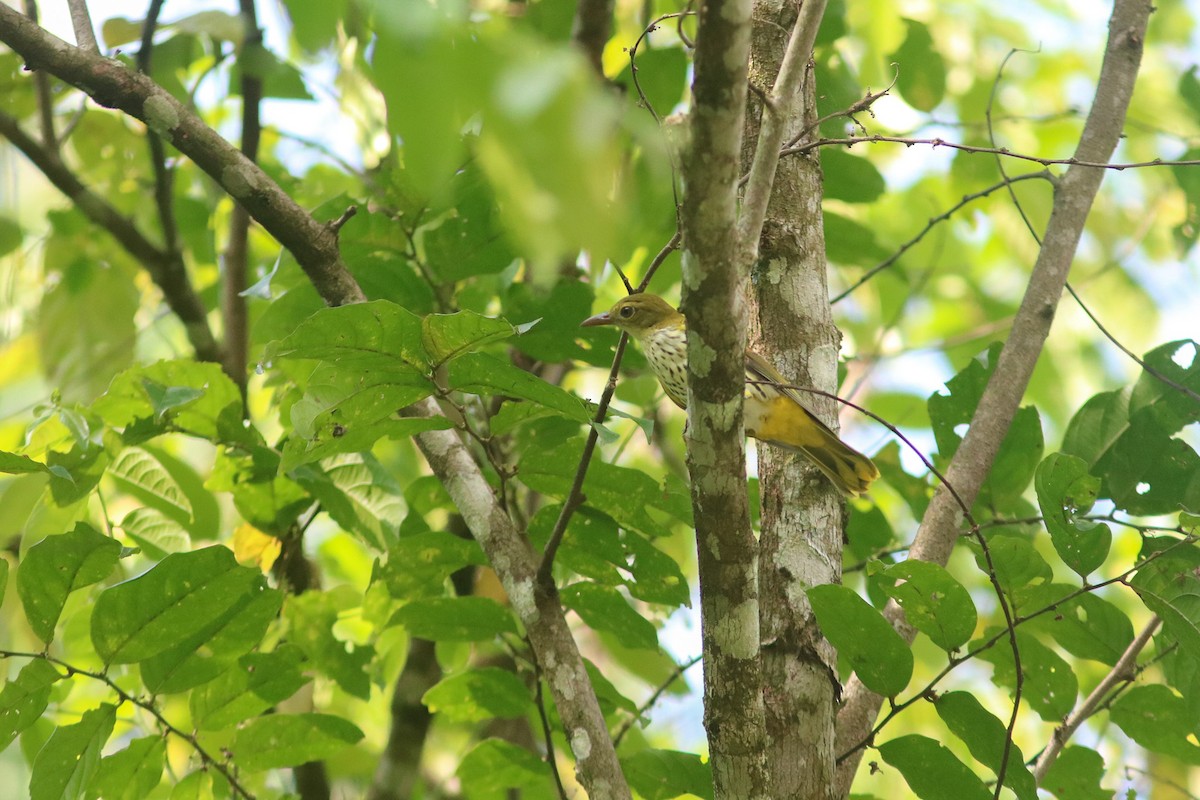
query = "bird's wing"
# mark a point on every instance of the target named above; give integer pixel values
(759, 369)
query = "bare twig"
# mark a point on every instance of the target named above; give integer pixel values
(654, 697)
(41, 84)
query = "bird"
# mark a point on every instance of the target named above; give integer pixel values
(773, 412)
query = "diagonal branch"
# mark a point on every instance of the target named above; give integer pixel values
(112, 85)
(1076, 192)
(165, 271)
(536, 605)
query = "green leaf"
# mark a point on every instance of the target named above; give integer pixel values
(287, 740)
(455, 619)
(25, 698)
(494, 765)
(196, 786)
(556, 336)
(1076, 775)
(604, 609)
(67, 762)
(1169, 587)
(933, 601)
(921, 76)
(666, 774)
(985, 736)
(361, 496)
(164, 396)
(883, 662)
(1188, 230)
(278, 78)
(479, 694)
(1158, 720)
(471, 239)
(140, 471)
(480, 373)
(850, 178)
(10, 236)
(332, 437)
(315, 24)
(157, 534)
(1066, 492)
(447, 336)
(662, 76)
(311, 618)
(931, 770)
(213, 648)
(57, 566)
(379, 332)
(258, 682)
(131, 774)
(1050, 686)
(418, 565)
(173, 601)
(1086, 626)
(850, 242)
(1017, 562)
(15, 464)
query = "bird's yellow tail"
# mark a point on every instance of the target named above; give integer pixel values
(783, 422)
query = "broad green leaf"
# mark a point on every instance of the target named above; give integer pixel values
(360, 494)
(1169, 587)
(559, 311)
(604, 609)
(921, 73)
(1076, 775)
(315, 24)
(883, 662)
(377, 333)
(141, 472)
(1086, 626)
(278, 78)
(418, 565)
(169, 604)
(131, 773)
(1017, 562)
(867, 531)
(1171, 408)
(256, 683)
(287, 740)
(661, 76)
(985, 736)
(195, 786)
(311, 618)
(471, 239)
(666, 774)
(15, 464)
(494, 765)
(1066, 492)
(157, 534)
(213, 648)
(184, 395)
(24, 698)
(57, 566)
(1158, 720)
(932, 600)
(478, 694)
(335, 438)
(931, 770)
(849, 177)
(1050, 686)
(447, 336)
(348, 397)
(65, 765)
(1096, 426)
(480, 373)
(455, 619)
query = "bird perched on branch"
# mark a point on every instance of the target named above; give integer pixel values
(773, 411)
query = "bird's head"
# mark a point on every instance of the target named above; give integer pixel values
(638, 315)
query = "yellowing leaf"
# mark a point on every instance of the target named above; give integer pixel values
(252, 547)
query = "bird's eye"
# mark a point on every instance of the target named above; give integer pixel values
(626, 312)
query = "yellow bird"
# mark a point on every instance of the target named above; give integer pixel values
(774, 413)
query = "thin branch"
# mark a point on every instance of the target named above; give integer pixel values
(780, 108)
(112, 85)
(81, 21)
(226, 771)
(236, 261)
(547, 732)
(536, 605)
(654, 697)
(41, 84)
(934, 222)
(591, 30)
(1122, 671)
(179, 295)
(936, 142)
